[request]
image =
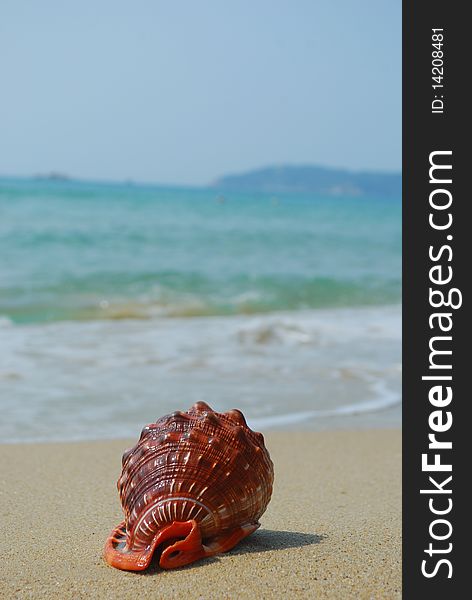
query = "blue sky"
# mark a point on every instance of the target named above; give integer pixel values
(184, 91)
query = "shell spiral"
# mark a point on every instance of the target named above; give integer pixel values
(194, 485)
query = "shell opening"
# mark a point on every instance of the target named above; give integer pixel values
(180, 543)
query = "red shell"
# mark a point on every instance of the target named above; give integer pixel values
(195, 483)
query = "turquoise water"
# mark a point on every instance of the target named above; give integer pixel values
(121, 303)
(80, 251)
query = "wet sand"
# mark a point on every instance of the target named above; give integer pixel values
(332, 529)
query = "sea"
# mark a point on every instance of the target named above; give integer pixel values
(121, 302)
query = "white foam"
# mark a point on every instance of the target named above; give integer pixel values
(383, 400)
(106, 378)
(322, 326)
(5, 321)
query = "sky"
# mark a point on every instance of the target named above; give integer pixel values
(184, 91)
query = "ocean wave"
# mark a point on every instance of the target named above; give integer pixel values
(172, 295)
(321, 327)
(5, 321)
(106, 378)
(384, 399)
(282, 331)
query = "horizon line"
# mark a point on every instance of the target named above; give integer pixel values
(60, 176)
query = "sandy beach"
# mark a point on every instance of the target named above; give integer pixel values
(332, 529)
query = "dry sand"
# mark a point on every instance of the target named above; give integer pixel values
(332, 529)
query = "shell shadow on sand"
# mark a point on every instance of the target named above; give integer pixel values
(263, 540)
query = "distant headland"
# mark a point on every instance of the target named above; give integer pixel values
(282, 179)
(312, 179)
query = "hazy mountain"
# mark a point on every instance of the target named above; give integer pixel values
(312, 179)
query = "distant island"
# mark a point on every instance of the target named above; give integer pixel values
(312, 179)
(52, 176)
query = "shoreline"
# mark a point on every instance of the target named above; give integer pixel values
(354, 423)
(332, 529)
(335, 366)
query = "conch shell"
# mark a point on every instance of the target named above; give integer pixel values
(194, 485)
